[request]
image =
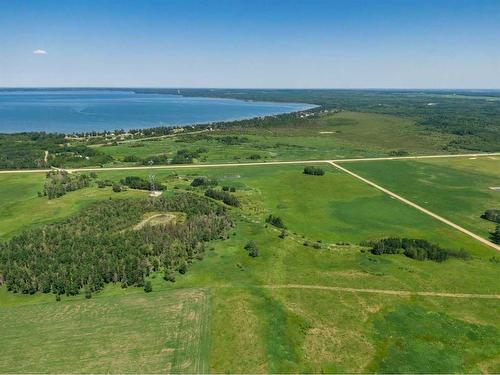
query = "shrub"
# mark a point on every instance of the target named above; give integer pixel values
(275, 221)
(182, 268)
(223, 196)
(169, 275)
(203, 181)
(148, 287)
(398, 153)
(315, 171)
(252, 249)
(254, 157)
(492, 215)
(117, 188)
(88, 293)
(131, 159)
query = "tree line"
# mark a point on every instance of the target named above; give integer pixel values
(415, 248)
(223, 196)
(99, 245)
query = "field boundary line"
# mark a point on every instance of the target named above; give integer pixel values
(420, 208)
(384, 291)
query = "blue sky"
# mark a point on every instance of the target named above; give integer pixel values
(251, 43)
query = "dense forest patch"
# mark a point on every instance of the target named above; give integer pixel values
(99, 245)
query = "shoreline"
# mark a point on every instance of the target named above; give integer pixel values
(180, 126)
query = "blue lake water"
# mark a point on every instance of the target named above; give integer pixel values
(87, 110)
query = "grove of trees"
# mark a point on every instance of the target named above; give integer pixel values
(59, 183)
(492, 215)
(99, 245)
(315, 171)
(416, 249)
(223, 196)
(135, 182)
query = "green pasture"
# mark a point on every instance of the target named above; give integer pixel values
(457, 189)
(340, 135)
(21, 207)
(234, 313)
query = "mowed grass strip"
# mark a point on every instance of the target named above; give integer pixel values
(152, 333)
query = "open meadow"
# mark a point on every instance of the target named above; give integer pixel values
(325, 136)
(313, 301)
(458, 189)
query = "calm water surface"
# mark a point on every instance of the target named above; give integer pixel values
(80, 111)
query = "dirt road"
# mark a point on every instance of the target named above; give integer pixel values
(420, 208)
(384, 291)
(218, 165)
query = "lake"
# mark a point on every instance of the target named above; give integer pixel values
(69, 111)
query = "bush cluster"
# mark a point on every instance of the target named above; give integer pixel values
(223, 196)
(275, 221)
(416, 249)
(315, 171)
(492, 215)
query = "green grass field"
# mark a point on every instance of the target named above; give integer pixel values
(458, 189)
(157, 332)
(345, 134)
(21, 207)
(234, 313)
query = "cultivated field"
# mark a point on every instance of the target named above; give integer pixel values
(157, 332)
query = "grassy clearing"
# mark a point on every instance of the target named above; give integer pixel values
(457, 189)
(21, 207)
(157, 332)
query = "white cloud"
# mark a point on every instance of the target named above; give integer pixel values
(39, 52)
